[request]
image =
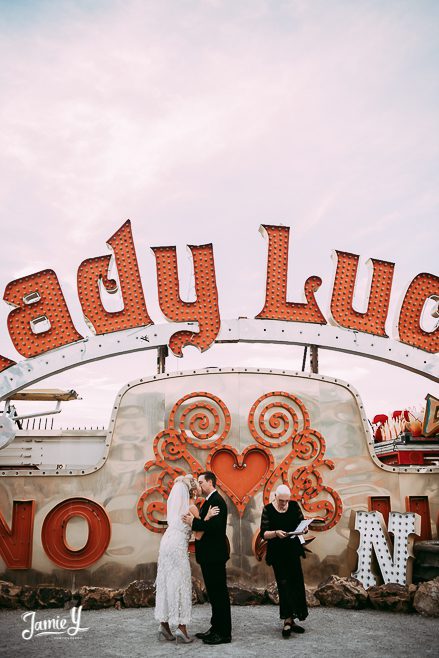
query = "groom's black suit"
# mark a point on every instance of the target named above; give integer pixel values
(211, 552)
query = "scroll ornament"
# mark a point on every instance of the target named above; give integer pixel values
(287, 450)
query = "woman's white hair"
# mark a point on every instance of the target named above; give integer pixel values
(283, 490)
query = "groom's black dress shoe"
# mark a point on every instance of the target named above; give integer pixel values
(201, 636)
(214, 638)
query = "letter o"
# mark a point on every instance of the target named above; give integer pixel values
(53, 533)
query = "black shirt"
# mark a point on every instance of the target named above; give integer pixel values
(281, 549)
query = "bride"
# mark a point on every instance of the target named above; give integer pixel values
(174, 583)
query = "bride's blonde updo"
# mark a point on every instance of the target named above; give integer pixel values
(189, 481)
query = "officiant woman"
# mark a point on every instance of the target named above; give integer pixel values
(284, 554)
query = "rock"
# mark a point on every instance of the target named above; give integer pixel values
(139, 594)
(311, 599)
(342, 593)
(412, 591)
(198, 592)
(426, 599)
(28, 598)
(391, 597)
(93, 598)
(74, 602)
(9, 595)
(271, 593)
(50, 596)
(243, 595)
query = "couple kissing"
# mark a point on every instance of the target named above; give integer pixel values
(174, 582)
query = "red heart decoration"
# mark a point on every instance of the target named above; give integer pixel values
(241, 475)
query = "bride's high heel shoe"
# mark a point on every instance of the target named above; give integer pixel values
(163, 634)
(181, 637)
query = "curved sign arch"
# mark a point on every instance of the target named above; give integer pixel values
(242, 330)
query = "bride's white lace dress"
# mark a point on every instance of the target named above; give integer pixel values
(174, 584)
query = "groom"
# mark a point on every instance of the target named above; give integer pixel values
(211, 552)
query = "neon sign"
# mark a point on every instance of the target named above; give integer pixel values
(255, 428)
(395, 564)
(40, 321)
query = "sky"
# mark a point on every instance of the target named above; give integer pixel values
(200, 120)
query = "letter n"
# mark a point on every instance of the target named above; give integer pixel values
(374, 538)
(16, 542)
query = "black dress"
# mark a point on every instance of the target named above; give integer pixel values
(284, 556)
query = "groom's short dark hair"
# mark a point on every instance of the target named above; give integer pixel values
(208, 475)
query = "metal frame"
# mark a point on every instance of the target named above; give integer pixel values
(10, 421)
(273, 371)
(242, 330)
(296, 374)
(10, 411)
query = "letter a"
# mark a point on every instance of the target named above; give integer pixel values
(41, 320)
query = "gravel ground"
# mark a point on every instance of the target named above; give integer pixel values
(132, 632)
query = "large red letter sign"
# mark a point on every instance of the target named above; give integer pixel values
(95, 270)
(203, 310)
(5, 363)
(343, 313)
(276, 306)
(423, 287)
(16, 542)
(53, 533)
(41, 321)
